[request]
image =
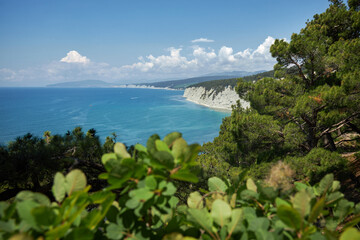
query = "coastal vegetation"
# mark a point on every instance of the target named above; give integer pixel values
(30, 162)
(308, 115)
(140, 202)
(221, 84)
(188, 82)
(276, 170)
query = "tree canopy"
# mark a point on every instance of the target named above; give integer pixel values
(310, 106)
(320, 98)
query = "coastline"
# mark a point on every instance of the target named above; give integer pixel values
(228, 110)
(222, 100)
(144, 87)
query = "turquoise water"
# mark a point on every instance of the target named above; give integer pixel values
(134, 114)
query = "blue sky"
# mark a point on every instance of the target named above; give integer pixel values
(126, 41)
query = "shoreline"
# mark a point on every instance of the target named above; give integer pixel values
(145, 87)
(228, 110)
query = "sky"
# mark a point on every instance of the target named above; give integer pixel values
(134, 41)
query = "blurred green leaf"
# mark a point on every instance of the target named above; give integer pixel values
(249, 213)
(201, 217)
(260, 223)
(350, 234)
(177, 236)
(325, 184)
(299, 186)
(141, 194)
(185, 175)
(173, 201)
(132, 203)
(289, 216)
(171, 138)
(178, 147)
(317, 209)
(344, 207)
(36, 197)
(170, 189)
(58, 188)
(75, 181)
(250, 184)
(151, 147)
(262, 234)
(140, 148)
(21, 236)
(221, 212)
(235, 225)
(333, 198)
(107, 156)
(249, 195)
(190, 153)
(267, 193)
(120, 150)
(216, 184)
(162, 146)
(8, 226)
(100, 196)
(24, 210)
(43, 215)
(301, 202)
(114, 231)
(195, 200)
(335, 186)
(150, 182)
(165, 158)
(80, 233)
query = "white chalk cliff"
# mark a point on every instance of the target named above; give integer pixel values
(210, 98)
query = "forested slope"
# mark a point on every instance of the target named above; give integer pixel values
(219, 85)
(309, 114)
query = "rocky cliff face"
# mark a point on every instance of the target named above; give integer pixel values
(210, 98)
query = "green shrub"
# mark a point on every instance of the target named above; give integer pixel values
(316, 164)
(139, 203)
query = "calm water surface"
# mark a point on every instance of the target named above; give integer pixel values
(134, 114)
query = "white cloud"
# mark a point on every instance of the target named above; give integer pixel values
(177, 63)
(226, 55)
(263, 49)
(202, 40)
(74, 57)
(7, 74)
(164, 63)
(201, 61)
(200, 53)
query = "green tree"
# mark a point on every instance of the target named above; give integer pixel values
(30, 162)
(321, 95)
(109, 143)
(47, 136)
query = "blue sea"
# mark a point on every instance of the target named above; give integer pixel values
(133, 114)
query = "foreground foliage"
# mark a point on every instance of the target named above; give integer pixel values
(140, 203)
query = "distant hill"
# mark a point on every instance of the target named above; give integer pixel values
(218, 85)
(235, 74)
(82, 84)
(183, 83)
(175, 84)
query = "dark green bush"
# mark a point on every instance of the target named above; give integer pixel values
(316, 164)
